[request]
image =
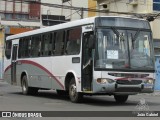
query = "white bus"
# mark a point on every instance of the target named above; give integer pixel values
(92, 56)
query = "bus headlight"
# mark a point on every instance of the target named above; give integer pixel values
(104, 80)
(149, 81)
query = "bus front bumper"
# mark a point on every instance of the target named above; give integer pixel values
(115, 88)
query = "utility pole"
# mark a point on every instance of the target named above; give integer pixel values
(70, 3)
(82, 13)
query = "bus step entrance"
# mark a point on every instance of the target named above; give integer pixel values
(87, 83)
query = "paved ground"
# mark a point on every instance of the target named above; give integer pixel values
(11, 99)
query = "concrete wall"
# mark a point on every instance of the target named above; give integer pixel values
(156, 29)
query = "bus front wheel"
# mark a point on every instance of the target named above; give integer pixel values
(26, 90)
(121, 98)
(73, 94)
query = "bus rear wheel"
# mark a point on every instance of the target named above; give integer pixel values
(75, 96)
(26, 90)
(121, 98)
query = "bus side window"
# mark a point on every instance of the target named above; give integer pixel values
(50, 44)
(23, 48)
(36, 44)
(53, 43)
(59, 43)
(28, 44)
(73, 41)
(20, 48)
(21, 51)
(45, 44)
(8, 49)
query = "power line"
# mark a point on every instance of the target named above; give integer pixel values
(83, 9)
(67, 7)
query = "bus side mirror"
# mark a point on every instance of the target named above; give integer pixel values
(91, 42)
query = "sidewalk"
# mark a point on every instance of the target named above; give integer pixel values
(155, 93)
(1, 80)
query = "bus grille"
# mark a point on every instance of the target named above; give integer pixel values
(127, 82)
(128, 89)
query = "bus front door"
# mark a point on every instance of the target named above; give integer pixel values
(87, 63)
(13, 65)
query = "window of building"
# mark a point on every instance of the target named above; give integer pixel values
(2, 15)
(156, 5)
(8, 16)
(17, 16)
(24, 17)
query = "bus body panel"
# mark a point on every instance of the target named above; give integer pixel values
(63, 65)
(41, 73)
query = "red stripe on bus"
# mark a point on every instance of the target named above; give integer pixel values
(39, 66)
(7, 68)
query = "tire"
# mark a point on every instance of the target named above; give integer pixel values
(121, 98)
(61, 92)
(26, 90)
(75, 96)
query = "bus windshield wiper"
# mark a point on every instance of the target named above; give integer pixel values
(135, 36)
(115, 31)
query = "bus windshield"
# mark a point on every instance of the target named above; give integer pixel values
(123, 49)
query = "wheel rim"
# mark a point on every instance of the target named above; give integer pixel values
(73, 90)
(24, 86)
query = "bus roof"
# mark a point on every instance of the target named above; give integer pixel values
(55, 27)
(75, 23)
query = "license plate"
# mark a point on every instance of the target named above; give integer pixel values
(148, 86)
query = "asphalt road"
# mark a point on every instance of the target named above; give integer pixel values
(11, 99)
